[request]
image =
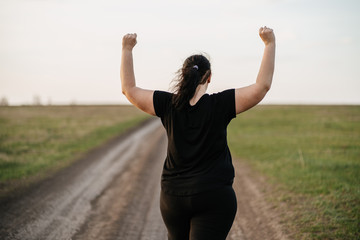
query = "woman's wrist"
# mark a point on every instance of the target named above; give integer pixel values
(270, 44)
(127, 48)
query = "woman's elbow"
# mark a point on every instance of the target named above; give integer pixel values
(261, 93)
(128, 93)
(123, 91)
(267, 87)
(262, 89)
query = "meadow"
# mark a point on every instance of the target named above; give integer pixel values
(311, 154)
(36, 141)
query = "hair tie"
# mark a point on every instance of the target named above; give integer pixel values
(196, 67)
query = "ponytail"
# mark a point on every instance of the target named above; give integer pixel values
(195, 71)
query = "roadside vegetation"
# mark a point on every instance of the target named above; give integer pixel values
(312, 155)
(36, 141)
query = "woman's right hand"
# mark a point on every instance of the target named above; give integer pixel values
(267, 35)
(248, 97)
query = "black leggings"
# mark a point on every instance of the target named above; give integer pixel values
(208, 215)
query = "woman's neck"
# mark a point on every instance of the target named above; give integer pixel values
(200, 91)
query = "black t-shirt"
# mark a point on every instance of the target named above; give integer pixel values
(198, 157)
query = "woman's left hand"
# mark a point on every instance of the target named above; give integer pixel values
(129, 41)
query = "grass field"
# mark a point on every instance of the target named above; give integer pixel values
(312, 155)
(37, 141)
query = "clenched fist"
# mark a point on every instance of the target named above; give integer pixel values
(267, 35)
(129, 41)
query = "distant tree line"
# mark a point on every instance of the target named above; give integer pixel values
(35, 102)
(4, 102)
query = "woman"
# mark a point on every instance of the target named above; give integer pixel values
(197, 199)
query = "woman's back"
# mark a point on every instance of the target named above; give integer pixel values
(198, 157)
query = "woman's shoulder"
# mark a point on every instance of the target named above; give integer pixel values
(161, 101)
(224, 103)
(225, 94)
(162, 94)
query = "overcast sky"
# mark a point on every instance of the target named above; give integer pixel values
(67, 51)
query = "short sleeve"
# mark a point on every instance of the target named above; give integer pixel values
(162, 101)
(226, 105)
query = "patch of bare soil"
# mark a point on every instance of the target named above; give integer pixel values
(256, 218)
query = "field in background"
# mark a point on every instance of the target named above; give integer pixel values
(37, 141)
(312, 155)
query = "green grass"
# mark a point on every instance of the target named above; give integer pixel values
(36, 141)
(313, 154)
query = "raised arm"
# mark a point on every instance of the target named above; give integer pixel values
(248, 97)
(141, 98)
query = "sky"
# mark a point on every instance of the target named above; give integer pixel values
(69, 51)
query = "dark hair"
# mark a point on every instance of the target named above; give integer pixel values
(195, 71)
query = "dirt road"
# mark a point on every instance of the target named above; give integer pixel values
(113, 193)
